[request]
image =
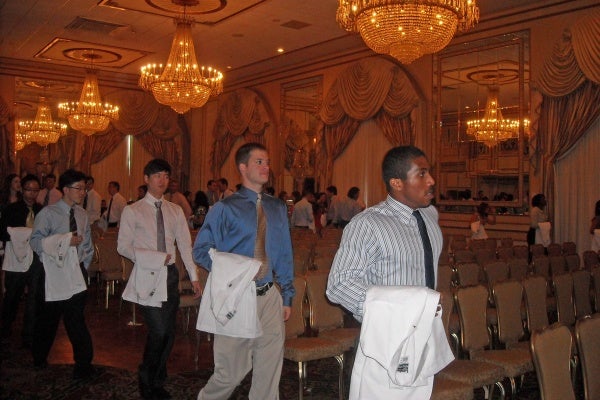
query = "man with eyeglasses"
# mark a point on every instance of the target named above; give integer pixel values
(61, 238)
(19, 275)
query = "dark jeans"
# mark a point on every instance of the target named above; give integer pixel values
(72, 312)
(161, 334)
(15, 284)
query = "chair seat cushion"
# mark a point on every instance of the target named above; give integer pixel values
(515, 362)
(347, 337)
(475, 373)
(310, 348)
(447, 389)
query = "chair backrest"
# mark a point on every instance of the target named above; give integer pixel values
(444, 258)
(535, 288)
(447, 302)
(109, 260)
(569, 248)
(505, 253)
(563, 289)
(541, 266)
(587, 332)
(468, 273)
(573, 262)
(477, 244)
(518, 268)
(127, 268)
(458, 242)
(323, 262)
(295, 325)
(558, 265)
(491, 244)
(590, 259)
(551, 351)
(537, 250)
(581, 291)
(323, 314)
(472, 307)
(464, 256)
(507, 297)
(495, 271)
(506, 242)
(521, 251)
(302, 259)
(484, 256)
(445, 278)
(554, 249)
(596, 284)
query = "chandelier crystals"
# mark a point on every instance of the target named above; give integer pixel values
(43, 130)
(493, 127)
(89, 115)
(407, 29)
(181, 83)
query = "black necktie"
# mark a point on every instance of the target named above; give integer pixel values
(429, 275)
(47, 197)
(108, 211)
(85, 201)
(160, 228)
(72, 222)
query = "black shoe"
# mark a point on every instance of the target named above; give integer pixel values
(146, 392)
(161, 394)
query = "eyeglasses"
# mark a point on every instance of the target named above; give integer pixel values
(81, 189)
(31, 190)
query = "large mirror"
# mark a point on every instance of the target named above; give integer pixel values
(300, 102)
(482, 97)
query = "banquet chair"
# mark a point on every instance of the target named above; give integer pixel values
(445, 278)
(301, 349)
(521, 251)
(484, 256)
(554, 249)
(535, 288)
(110, 266)
(518, 269)
(537, 250)
(558, 265)
(505, 253)
(468, 273)
(551, 348)
(508, 298)
(569, 248)
(596, 285)
(506, 242)
(541, 266)
(587, 333)
(591, 259)
(581, 293)
(326, 319)
(472, 304)
(477, 374)
(477, 244)
(464, 256)
(563, 290)
(449, 389)
(573, 262)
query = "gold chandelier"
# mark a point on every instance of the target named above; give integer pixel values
(89, 115)
(43, 130)
(181, 84)
(493, 127)
(407, 29)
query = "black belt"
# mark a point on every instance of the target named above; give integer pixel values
(112, 224)
(262, 290)
(300, 227)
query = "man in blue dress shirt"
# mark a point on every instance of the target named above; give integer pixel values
(231, 226)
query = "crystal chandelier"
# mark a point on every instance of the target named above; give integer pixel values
(181, 84)
(89, 115)
(407, 29)
(43, 130)
(493, 127)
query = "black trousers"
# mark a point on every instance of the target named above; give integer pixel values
(161, 334)
(72, 312)
(15, 284)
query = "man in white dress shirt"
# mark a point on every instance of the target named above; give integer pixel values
(92, 201)
(116, 204)
(139, 229)
(49, 194)
(303, 215)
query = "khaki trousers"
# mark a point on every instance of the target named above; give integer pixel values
(234, 357)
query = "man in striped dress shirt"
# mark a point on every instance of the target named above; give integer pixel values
(383, 245)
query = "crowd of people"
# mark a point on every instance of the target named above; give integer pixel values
(46, 230)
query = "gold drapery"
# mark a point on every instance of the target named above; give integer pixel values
(569, 84)
(370, 88)
(7, 146)
(242, 113)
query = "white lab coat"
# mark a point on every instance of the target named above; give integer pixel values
(64, 278)
(402, 344)
(228, 306)
(147, 284)
(18, 255)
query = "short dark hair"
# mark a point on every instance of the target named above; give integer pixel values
(332, 189)
(69, 177)
(397, 163)
(242, 155)
(224, 181)
(115, 184)
(29, 178)
(536, 201)
(210, 182)
(89, 178)
(353, 192)
(52, 176)
(157, 165)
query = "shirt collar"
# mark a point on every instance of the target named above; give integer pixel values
(151, 199)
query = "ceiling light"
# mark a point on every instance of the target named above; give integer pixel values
(43, 130)
(181, 84)
(407, 29)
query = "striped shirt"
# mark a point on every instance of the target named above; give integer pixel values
(381, 246)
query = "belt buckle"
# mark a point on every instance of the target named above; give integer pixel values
(261, 290)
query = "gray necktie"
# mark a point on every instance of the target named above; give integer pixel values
(260, 252)
(160, 229)
(429, 274)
